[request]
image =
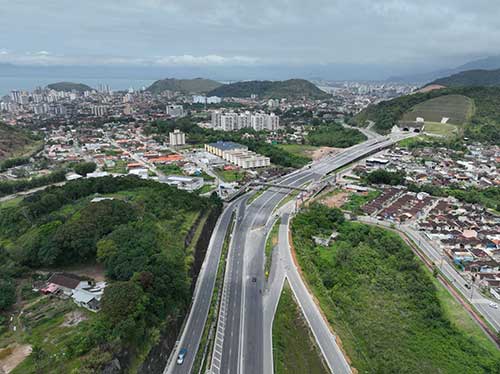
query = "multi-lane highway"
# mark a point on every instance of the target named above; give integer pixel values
(240, 331)
(193, 330)
(243, 349)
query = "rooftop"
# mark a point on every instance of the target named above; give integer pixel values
(226, 146)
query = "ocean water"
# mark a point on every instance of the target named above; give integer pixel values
(8, 84)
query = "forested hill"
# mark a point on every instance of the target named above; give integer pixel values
(146, 236)
(292, 88)
(69, 86)
(15, 142)
(484, 124)
(197, 85)
(486, 78)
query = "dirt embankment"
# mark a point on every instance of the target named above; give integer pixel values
(324, 151)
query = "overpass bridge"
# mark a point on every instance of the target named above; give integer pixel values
(278, 186)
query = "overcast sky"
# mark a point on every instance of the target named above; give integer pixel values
(250, 32)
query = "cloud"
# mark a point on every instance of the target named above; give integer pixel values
(241, 32)
(209, 60)
(47, 58)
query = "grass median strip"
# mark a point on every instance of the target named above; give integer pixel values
(271, 242)
(294, 349)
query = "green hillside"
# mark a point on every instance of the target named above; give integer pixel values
(149, 241)
(485, 78)
(457, 108)
(197, 85)
(15, 142)
(483, 125)
(69, 86)
(292, 88)
(390, 313)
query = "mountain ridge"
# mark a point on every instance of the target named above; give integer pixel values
(69, 86)
(487, 63)
(291, 88)
(484, 78)
(187, 86)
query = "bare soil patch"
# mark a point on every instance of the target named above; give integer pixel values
(15, 355)
(336, 200)
(73, 318)
(324, 151)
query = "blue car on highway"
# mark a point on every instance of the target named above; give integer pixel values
(181, 356)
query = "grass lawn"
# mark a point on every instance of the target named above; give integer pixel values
(231, 175)
(457, 108)
(206, 188)
(460, 317)
(299, 149)
(442, 129)
(11, 203)
(384, 304)
(407, 143)
(171, 169)
(294, 348)
(119, 168)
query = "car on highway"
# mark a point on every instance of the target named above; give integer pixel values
(181, 356)
(494, 305)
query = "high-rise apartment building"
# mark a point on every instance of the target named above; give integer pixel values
(177, 138)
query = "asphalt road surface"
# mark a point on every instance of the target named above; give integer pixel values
(241, 328)
(243, 350)
(193, 329)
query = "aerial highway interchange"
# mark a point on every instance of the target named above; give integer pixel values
(243, 337)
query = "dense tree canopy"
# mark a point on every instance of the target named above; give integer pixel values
(84, 168)
(381, 176)
(334, 135)
(7, 293)
(138, 231)
(381, 302)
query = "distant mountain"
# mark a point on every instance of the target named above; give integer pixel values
(486, 78)
(15, 142)
(488, 63)
(69, 86)
(292, 88)
(197, 85)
